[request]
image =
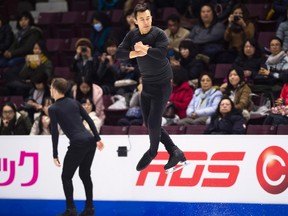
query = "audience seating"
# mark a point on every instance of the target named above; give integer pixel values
(63, 72)
(188, 130)
(85, 29)
(137, 129)
(115, 130)
(259, 100)
(62, 28)
(54, 47)
(42, 6)
(79, 5)
(261, 129)
(3, 99)
(195, 129)
(116, 16)
(258, 11)
(266, 25)
(221, 71)
(264, 38)
(46, 21)
(107, 100)
(18, 100)
(51, 6)
(113, 116)
(68, 26)
(163, 14)
(66, 57)
(282, 129)
(9, 9)
(175, 129)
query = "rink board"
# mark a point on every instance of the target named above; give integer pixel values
(227, 174)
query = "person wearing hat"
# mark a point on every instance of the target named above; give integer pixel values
(84, 65)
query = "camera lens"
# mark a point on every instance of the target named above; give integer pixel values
(83, 49)
(236, 18)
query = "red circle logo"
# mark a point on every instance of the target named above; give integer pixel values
(272, 172)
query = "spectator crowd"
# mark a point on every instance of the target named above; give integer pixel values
(202, 35)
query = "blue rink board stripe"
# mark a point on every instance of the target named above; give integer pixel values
(135, 208)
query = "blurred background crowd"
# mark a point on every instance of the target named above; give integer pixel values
(229, 60)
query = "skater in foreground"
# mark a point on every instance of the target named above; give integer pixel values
(69, 114)
(148, 44)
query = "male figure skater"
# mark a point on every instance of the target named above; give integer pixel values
(148, 44)
(68, 113)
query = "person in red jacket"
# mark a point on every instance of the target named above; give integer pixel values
(181, 93)
(279, 113)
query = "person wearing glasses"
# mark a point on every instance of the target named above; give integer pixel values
(274, 73)
(13, 122)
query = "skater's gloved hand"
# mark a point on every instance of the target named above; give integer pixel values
(57, 162)
(100, 145)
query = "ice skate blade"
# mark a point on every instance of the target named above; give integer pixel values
(177, 167)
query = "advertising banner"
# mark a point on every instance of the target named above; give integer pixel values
(222, 168)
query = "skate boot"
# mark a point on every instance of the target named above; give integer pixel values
(144, 161)
(175, 157)
(69, 212)
(87, 212)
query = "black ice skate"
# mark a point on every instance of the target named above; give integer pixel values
(144, 161)
(87, 212)
(69, 212)
(176, 157)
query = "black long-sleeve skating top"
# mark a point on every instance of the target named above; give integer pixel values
(154, 67)
(69, 114)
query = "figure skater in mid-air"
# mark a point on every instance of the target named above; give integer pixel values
(148, 44)
(69, 114)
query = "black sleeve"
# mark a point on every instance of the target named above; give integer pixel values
(160, 49)
(125, 47)
(54, 130)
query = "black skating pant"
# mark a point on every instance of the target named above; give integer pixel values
(82, 157)
(154, 98)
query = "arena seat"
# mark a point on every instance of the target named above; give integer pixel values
(261, 129)
(115, 130)
(46, 21)
(63, 72)
(137, 129)
(113, 115)
(282, 129)
(221, 71)
(68, 26)
(195, 129)
(175, 129)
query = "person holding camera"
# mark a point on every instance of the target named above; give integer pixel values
(238, 30)
(84, 65)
